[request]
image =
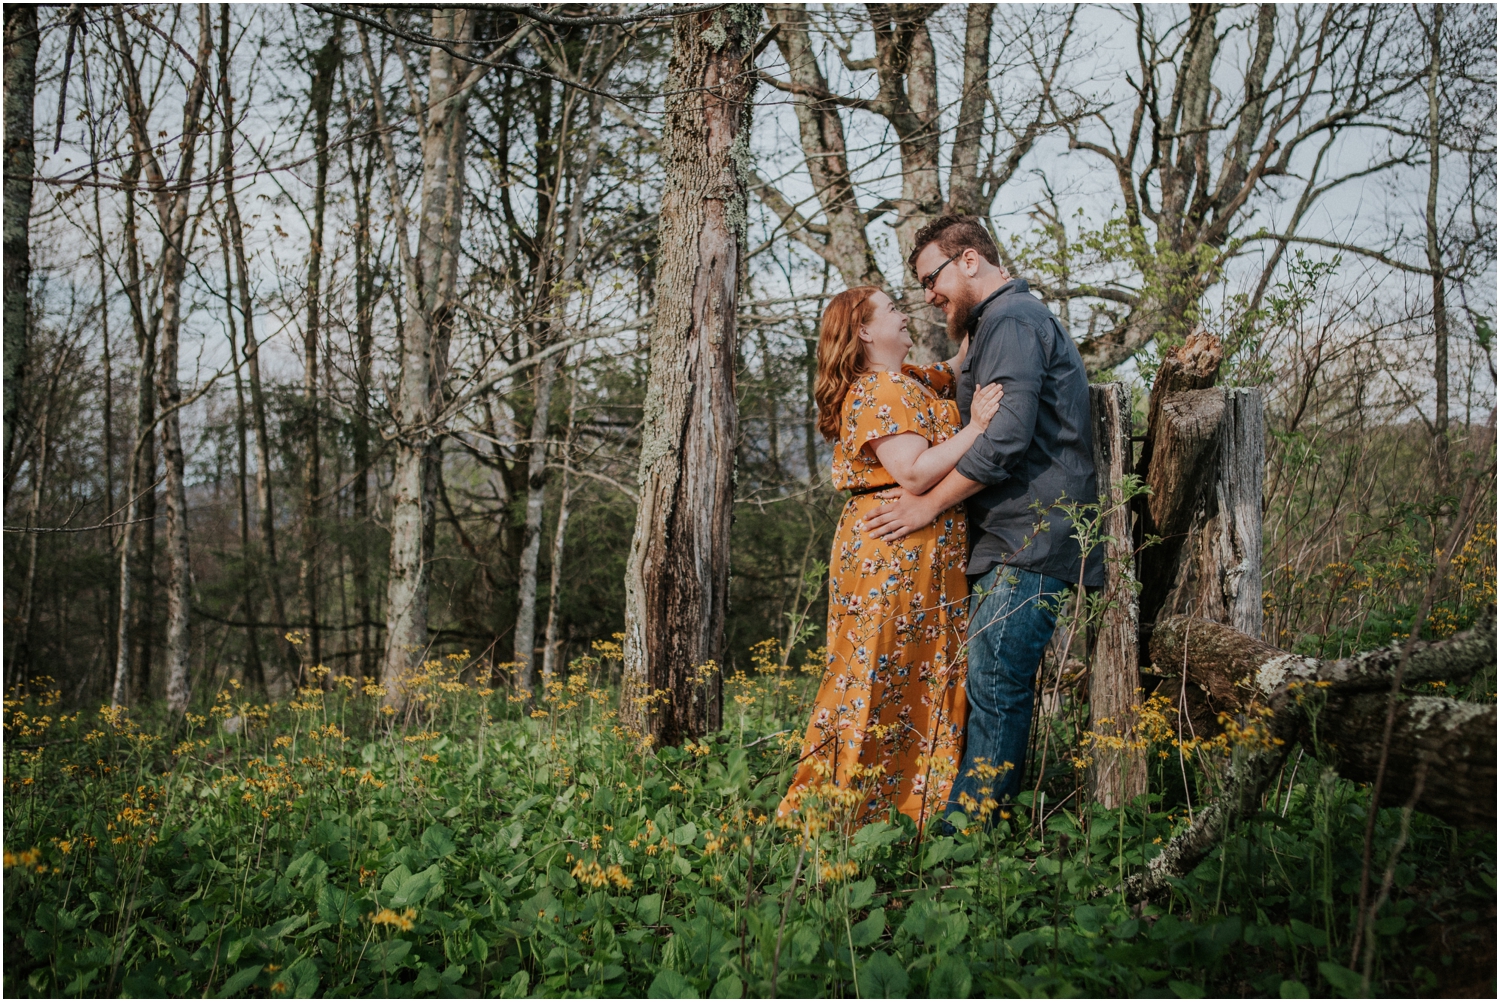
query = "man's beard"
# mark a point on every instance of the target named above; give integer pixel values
(960, 306)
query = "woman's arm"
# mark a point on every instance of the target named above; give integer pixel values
(917, 464)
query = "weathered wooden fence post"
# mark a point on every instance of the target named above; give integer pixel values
(1119, 774)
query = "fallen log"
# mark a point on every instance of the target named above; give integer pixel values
(1338, 707)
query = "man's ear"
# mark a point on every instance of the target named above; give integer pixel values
(970, 261)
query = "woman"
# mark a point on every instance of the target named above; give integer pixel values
(888, 723)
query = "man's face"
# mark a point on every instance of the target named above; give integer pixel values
(952, 290)
(949, 282)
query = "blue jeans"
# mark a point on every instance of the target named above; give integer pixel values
(1011, 617)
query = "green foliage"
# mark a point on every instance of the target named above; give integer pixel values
(326, 847)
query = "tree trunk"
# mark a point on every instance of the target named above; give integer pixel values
(965, 186)
(21, 37)
(555, 301)
(1114, 678)
(242, 471)
(846, 245)
(1434, 254)
(172, 209)
(1178, 462)
(431, 275)
(140, 480)
(677, 581)
(364, 337)
(906, 70)
(1219, 578)
(325, 69)
(271, 569)
(531, 545)
(559, 539)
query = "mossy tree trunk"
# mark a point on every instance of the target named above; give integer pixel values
(677, 579)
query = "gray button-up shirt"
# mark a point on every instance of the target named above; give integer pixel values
(1038, 450)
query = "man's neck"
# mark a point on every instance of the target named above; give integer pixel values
(990, 282)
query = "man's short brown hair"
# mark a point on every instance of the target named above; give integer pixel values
(954, 235)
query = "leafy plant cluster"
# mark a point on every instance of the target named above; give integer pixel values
(471, 842)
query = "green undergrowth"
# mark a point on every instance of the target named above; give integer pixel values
(322, 847)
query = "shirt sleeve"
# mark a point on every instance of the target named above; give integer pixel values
(938, 376)
(881, 404)
(1011, 354)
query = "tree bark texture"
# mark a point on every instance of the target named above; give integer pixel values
(677, 578)
(1337, 708)
(172, 208)
(21, 37)
(1219, 577)
(1179, 460)
(1114, 679)
(431, 276)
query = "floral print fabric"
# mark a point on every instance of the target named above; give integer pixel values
(887, 727)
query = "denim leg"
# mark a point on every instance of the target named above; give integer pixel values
(1010, 623)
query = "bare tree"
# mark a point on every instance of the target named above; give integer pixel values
(172, 200)
(430, 272)
(21, 39)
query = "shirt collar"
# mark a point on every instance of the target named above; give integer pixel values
(1014, 285)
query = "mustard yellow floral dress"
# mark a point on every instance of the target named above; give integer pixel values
(889, 718)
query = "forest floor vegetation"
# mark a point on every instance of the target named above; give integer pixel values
(330, 845)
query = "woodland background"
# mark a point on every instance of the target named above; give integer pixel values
(400, 400)
(1315, 184)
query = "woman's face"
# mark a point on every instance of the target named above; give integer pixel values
(885, 333)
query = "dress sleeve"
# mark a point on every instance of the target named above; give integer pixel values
(881, 404)
(939, 378)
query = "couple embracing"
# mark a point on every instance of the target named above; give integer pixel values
(953, 548)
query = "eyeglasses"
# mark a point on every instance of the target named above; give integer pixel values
(931, 278)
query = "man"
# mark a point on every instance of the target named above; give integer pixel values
(1036, 455)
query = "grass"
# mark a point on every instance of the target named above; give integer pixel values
(324, 846)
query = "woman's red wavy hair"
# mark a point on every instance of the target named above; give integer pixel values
(841, 355)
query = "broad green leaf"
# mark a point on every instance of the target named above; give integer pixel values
(729, 987)
(950, 980)
(395, 879)
(1185, 990)
(671, 985)
(1294, 990)
(861, 891)
(517, 986)
(1344, 981)
(937, 851)
(438, 842)
(416, 887)
(648, 909)
(881, 976)
(336, 906)
(685, 834)
(387, 956)
(239, 981)
(805, 944)
(304, 978)
(867, 932)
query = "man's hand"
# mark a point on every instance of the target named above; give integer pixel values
(902, 514)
